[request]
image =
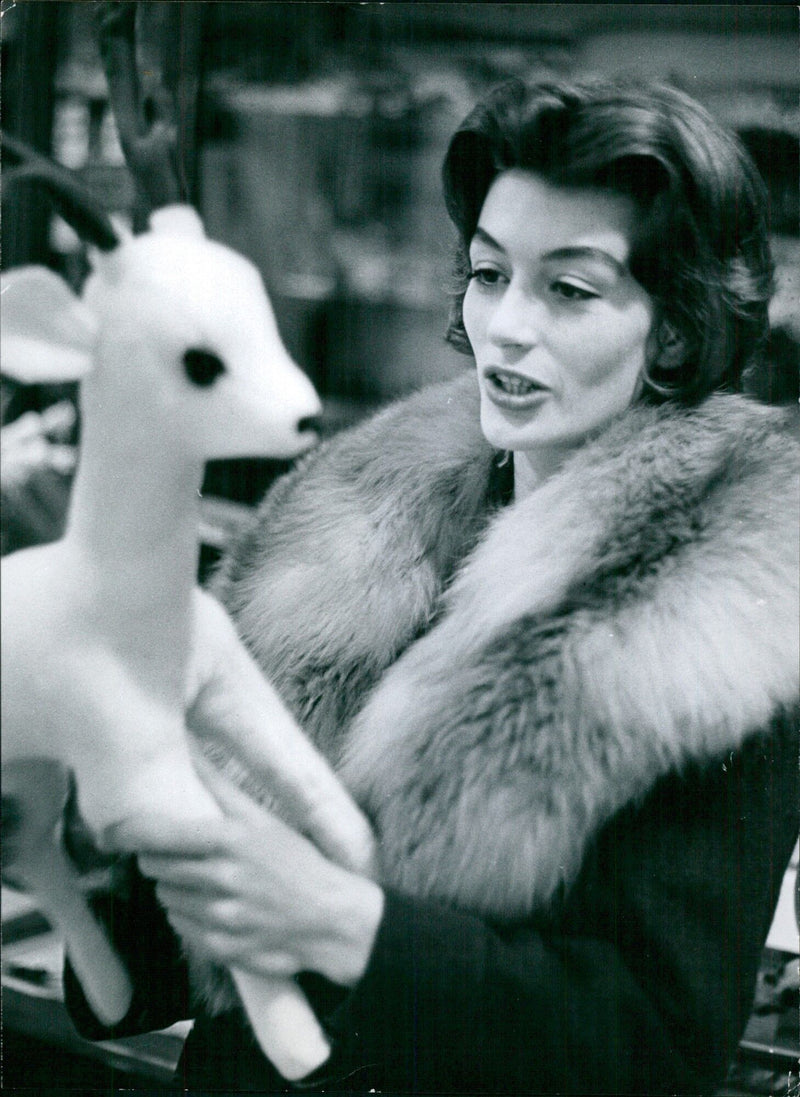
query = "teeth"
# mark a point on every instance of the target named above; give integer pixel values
(514, 386)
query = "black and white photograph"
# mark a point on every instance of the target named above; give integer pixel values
(400, 536)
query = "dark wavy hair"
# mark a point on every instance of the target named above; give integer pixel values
(701, 248)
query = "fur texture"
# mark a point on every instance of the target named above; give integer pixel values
(495, 685)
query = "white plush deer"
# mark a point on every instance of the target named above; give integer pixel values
(107, 642)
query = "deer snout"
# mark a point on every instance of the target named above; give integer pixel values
(269, 409)
(291, 401)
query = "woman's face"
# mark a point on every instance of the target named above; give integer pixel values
(558, 325)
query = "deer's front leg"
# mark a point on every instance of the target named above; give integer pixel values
(237, 713)
(234, 710)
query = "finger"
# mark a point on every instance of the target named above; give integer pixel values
(22, 429)
(203, 940)
(230, 951)
(254, 824)
(208, 910)
(163, 834)
(27, 458)
(257, 821)
(232, 799)
(198, 875)
(58, 420)
(62, 458)
(224, 917)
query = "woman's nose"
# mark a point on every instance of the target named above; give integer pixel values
(516, 319)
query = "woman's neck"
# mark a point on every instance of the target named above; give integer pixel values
(533, 467)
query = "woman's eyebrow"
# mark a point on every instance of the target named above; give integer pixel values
(577, 251)
(586, 252)
(483, 237)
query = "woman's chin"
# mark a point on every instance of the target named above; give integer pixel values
(508, 429)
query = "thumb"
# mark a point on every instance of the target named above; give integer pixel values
(163, 834)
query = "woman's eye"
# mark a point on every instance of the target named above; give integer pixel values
(486, 276)
(568, 291)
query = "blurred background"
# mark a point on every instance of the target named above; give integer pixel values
(312, 136)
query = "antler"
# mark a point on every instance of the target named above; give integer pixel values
(147, 133)
(72, 200)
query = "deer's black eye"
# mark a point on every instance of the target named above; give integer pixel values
(202, 367)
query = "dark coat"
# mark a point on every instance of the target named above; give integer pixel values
(572, 720)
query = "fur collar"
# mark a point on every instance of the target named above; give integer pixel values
(635, 614)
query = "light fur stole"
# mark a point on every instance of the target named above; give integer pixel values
(637, 612)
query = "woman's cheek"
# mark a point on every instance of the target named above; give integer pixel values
(471, 314)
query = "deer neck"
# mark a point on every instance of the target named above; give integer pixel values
(134, 511)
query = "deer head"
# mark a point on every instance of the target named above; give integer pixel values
(169, 323)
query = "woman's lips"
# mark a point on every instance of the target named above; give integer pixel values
(511, 390)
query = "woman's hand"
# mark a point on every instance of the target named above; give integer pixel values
(36, 442)
(249, 891)
(36, 466)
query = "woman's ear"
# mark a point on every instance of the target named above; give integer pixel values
(669, 347)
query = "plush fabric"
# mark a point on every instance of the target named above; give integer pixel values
(495, 685)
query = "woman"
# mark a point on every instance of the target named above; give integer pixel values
(545, 625)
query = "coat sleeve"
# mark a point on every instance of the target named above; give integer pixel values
(641, 982)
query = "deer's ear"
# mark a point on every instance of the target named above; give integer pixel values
(47, 333)
(177, 220)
